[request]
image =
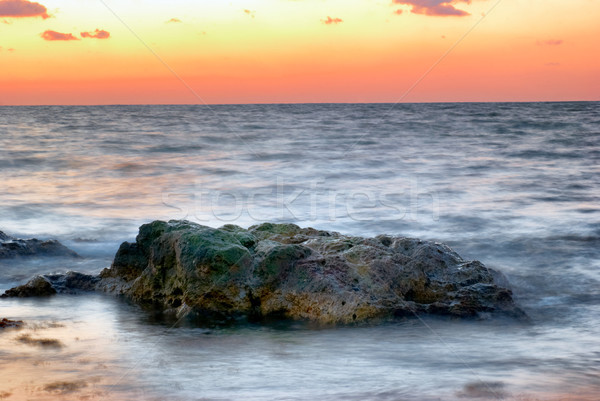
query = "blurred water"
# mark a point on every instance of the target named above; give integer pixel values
(514, 185)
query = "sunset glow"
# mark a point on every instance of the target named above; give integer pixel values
(279, 51)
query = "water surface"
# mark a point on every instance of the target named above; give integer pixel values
(514, 185)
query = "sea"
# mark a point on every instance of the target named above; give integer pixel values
(514, 185)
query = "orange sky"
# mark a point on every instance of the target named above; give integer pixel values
(272, 51)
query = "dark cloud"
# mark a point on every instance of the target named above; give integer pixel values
(22, 8)
(53, 35)
(97, 34)
(438, 8)
(331, 21)
(175, 20)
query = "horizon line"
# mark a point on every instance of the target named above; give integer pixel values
(298, 103)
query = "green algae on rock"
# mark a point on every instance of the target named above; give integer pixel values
(286, 271)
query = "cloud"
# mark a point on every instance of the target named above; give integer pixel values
(175, 20)
(437, 8)
(97, 34)
(331, 21)
(22, 8)
(550, 42)
(398, 11)
(250, 12)
(53, 35)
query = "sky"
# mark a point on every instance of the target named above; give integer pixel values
(297, 51)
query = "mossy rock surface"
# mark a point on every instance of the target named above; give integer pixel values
(300, 273)
(285, 271)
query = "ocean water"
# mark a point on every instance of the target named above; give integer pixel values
(515, 185)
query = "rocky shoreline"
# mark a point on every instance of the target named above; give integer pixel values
(284, 271)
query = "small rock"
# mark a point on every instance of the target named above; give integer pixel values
(49, 284)
(11, 247)
(6, 323)
(39, 286)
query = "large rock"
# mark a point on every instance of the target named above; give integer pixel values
(283, 270)
(11, 247)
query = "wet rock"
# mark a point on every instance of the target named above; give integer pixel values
(64, 387)
(484, 390)
(42, 342)
(6, 323)
(11, 247)
(282, 270)
(72, 282)
(50, 284)
(39, 286)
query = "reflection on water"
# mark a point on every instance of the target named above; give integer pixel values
(101, 348)
(514, 185)
(425, 170)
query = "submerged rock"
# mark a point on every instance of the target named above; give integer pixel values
(283, 270)
(11, 247)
